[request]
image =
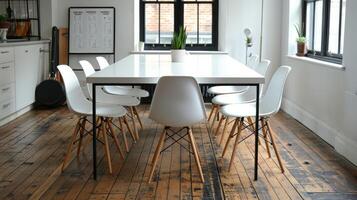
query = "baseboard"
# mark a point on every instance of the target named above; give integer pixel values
(336, 139)
(347, 148)
(15, 115)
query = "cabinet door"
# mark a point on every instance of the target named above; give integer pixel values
(27, 73)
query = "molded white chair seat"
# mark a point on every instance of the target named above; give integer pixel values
(103, 97)
(121, 90)
(177, 102)
(217, 90)
(247, 96)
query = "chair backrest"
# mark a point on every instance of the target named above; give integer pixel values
(76, 100)
(253, 61)
(103, 62)
(262, 69)
(88, 70)
(271, 101)
(177, 102)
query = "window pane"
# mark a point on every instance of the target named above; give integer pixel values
(334, 26)
(152, 23)
(318, 25)
(343, 25)
(190, 22)
(166, 23)
(205, 20)
(309, 24)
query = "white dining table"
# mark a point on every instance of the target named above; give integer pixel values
(147, 69)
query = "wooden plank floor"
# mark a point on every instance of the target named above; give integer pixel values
(32, 148)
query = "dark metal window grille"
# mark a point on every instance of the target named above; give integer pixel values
(323, 25)
(162, 40)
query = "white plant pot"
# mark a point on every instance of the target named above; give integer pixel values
(3, 33)
(178, 55)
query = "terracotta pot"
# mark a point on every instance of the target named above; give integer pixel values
(301, 49)
(5, 24)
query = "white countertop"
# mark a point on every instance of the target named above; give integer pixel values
(21, 43)
(169, 52)
(147, 69)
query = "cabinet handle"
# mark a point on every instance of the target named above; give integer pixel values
(3, 52)
(6, 89)
(5, 67)
(26, 51)
(6, 105)
(44, 51)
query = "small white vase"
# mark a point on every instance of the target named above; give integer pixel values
(3, 33)
(178, 55)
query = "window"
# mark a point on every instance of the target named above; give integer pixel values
(324, 25)
(160, 18)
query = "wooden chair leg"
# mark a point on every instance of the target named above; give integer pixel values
(219, 125)
(106, 147)
(236, 122)
(124, 135)
(264, 129)
(274, 147)
(252, 126)
(70, 145)
(215, 116)
(138, 116)
(157, 153)
(131, 110)
(128, 127)
(235, 146)
(115, 138)
(224, 130)
(211, 113)
(196, 154)
(82, 129)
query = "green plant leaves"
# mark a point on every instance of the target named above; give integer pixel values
(179, 39)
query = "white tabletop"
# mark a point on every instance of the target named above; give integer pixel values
(147, 69)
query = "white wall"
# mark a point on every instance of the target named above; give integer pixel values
(236, 15)
(317, 95)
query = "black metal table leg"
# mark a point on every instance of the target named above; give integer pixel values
(94, 132)
(256, 134)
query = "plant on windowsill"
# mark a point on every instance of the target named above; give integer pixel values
(301, 42)
(249, 41)
(178, 44)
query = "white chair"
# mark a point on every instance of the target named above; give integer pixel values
(269, 105)
(121, 90)
(82, 107)
(248, 95)
(177, 102)
(218, 90)
(102, 97)
(244, 97)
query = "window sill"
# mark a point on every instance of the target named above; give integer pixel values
(318, 62)
(168, 52)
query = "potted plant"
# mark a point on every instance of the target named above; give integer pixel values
(178, 44)
(4, 27)
(249, 41)
(301, 42)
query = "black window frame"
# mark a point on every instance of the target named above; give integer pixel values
(324, 54)
(179, 21)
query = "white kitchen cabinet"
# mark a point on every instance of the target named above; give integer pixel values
(28, 73)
